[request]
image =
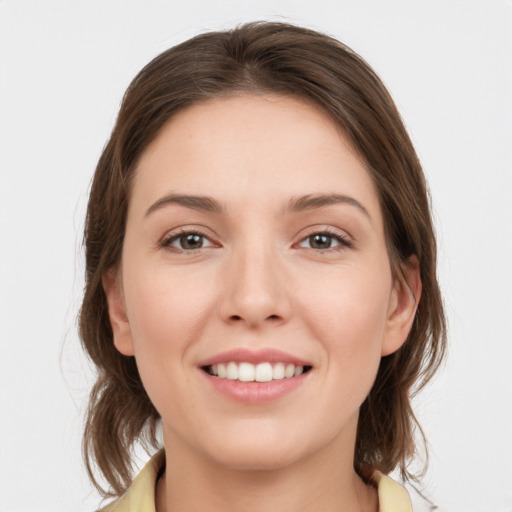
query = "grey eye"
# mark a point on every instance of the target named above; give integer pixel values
(320, 241)
(324, 241)
(188, 241)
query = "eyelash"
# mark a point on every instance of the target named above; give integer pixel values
(342, 240)
(167, 241)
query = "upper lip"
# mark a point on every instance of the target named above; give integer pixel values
(244, 355)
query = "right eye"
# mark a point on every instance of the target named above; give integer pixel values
(187, 241)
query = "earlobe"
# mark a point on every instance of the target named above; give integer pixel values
(117, 313)
(403, 304)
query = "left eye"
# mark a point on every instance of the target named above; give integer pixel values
(188, 241)
(323, 241)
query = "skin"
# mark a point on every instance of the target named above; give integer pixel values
(259, 281)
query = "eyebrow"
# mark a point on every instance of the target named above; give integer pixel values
(203, 203)
(295, 205)
(313, 201)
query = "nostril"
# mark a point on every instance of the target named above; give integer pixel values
(238, 318)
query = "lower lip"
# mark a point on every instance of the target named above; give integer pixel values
(256, 392)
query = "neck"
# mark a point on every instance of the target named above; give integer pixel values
(323, 481)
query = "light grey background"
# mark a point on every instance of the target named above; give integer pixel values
(63, 69)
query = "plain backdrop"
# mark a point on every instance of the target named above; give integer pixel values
(63, 69)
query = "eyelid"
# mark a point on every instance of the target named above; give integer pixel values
(344, 239)
(174, 234)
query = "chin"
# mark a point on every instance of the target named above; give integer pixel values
(257, 459)
(260, 450)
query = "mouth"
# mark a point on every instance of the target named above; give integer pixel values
(261, 372)
(256, 377)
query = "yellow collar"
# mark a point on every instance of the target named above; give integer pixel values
(392, 496)
(140, 497)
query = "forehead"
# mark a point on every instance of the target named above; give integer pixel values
(241, 146)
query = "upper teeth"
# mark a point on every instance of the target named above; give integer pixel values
(262, 372)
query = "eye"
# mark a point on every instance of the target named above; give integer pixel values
(187, 241)
(324, 241)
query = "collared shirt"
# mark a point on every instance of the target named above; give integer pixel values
(140, 497)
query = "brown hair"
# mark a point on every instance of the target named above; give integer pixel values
(278, 58)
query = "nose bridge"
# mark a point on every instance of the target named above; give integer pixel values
(255, 291)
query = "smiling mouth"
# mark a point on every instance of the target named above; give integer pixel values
(262, 372)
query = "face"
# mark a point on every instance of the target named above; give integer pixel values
(255, 289)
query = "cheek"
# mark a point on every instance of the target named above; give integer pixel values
(167, 309)
(348, 312)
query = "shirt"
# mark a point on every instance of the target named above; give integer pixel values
(140, 496)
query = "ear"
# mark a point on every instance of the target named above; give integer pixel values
(403, 304)
(117, 313)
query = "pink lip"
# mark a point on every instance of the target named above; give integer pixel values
(254, 392)
(243, 355)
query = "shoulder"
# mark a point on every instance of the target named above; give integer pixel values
(141, 493)
(392, 496)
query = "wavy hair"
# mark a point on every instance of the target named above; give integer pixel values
(259, 58)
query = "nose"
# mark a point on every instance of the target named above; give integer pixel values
(255, 289)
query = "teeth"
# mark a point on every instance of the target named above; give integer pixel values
(278, 371)
(232, 371)
(289, 371)
(245, 372)
(262, 372)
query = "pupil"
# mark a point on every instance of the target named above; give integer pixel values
(191, 241)
(320, 241)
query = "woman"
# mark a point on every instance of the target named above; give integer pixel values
(260, 278)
